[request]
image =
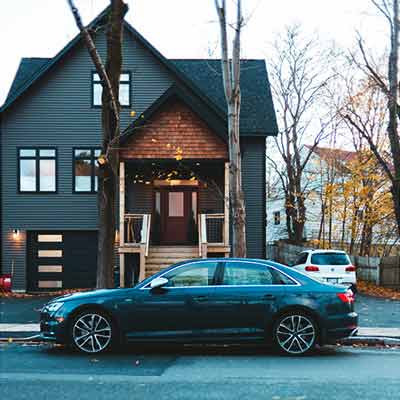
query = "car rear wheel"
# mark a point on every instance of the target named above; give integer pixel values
(295, 333)
(92, 332)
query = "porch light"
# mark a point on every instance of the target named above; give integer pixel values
(116, 239)
(16, 233)
(101, 159)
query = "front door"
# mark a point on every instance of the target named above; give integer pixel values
(178, 211)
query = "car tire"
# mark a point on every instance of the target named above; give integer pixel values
(91, 332)
(295, 333)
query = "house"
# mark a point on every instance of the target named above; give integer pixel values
(353, 216)
(173, 163)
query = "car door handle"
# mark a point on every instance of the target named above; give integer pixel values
(269, 297)
(200, 298)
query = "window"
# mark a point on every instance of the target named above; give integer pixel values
(124, 89)
(199, 274)
(301, 259)
(244, 273)
(277, 218)
(330, 259)
(37, 170)
(85, 170)
(175, 204)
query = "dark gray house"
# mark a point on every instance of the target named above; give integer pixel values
(173, 169)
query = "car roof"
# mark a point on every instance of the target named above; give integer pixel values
(324, 251)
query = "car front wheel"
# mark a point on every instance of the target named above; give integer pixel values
(91, 332)
(295, 333)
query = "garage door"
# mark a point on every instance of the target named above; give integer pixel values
(61, 260)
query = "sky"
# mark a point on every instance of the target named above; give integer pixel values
(180, 28)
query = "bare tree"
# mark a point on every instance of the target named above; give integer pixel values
(298, 83)
(108, 161)
(231, 82)
(388, 83)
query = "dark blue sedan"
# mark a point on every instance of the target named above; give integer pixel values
(218, 300)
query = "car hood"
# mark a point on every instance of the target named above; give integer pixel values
(89, 295)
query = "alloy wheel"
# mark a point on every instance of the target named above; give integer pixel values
(92, 333)
(295, 334)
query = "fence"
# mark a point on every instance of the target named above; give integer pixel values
(383, 271)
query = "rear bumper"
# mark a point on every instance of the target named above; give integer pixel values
(341, 327)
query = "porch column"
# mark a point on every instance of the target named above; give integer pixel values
(121, 222)
(226, 205)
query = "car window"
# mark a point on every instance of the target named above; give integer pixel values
(301, 259)
(244, 273)
(330, 259)
(282, 279)
(198, 274)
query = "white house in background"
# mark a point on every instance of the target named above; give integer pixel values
(314, 179)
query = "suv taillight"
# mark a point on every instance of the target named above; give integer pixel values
(347, 297)
(312, 268)
(351, 268)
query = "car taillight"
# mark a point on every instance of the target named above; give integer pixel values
(347, 297)
(351, 268)
(312, 268)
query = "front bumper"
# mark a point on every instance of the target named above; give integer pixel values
(52, 330)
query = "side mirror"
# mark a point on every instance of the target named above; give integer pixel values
(158, 283)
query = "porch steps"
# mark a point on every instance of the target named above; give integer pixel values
(161, 257)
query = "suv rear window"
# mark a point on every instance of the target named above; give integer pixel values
(330, 259)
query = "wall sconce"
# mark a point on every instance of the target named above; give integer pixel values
(116, 236)
(16, 233)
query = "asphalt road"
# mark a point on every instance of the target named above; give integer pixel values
(47, 372)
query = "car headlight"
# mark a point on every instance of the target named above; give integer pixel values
(53, 307)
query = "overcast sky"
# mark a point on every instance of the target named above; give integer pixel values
(178, 28)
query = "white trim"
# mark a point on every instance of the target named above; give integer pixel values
(297, 283)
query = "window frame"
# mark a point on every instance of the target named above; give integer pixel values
(93, 159)
(124, 82)
(277, 218)
(271, 268)
(37, 159)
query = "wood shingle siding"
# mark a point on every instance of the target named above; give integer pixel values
(174, 130)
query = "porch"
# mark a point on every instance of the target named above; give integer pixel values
(172, 210)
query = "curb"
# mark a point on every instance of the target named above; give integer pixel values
(371, 341)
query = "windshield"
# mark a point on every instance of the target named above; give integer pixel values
(330, 259)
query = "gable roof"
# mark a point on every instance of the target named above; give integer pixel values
(176, 92)
(202, 77)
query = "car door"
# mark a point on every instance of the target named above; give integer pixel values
(246, 299)
(177, 310)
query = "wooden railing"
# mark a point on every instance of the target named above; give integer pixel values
(211, 231)
(137, 230)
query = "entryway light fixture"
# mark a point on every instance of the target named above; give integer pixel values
(16, 233)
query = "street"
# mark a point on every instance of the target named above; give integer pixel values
(48, 372)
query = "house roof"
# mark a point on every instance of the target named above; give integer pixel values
(329, 154)
(203, 77)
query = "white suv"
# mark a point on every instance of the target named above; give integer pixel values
(330, 266)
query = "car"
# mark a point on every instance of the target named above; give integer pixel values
(216, 300)
(330, 266)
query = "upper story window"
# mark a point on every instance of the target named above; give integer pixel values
(277, 218)
(37, 170)
(85, 170)
(124, 89)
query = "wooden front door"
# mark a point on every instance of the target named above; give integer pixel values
(177, 208)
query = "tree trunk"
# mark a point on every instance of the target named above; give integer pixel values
(108, 182)
(231, 82)
(108, 168)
